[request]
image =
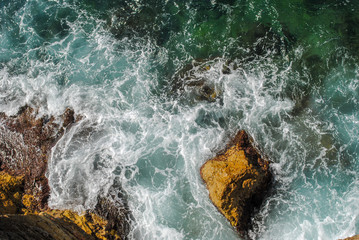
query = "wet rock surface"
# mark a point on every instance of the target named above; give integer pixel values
(11, 189)
(55, 224)
(43, 226)
(92, 224)
(47, 224)
(237, 180)
(197, 81)
(25, 146)
(114, 208)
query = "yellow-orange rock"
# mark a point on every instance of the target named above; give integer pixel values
(356, 237)
(59, 224)
(237, 180)
(11, 189)
(91, 223)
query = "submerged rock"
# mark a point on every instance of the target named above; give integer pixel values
(237, 180)
(198, 81)
(141, 20)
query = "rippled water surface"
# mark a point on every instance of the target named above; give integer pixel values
(285, 71)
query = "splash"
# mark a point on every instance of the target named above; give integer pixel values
(293, 88)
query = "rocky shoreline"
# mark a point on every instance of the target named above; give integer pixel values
(237, 179)
(25, 146)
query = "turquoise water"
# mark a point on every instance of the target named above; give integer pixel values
(285, 71)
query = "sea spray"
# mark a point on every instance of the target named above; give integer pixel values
(292, 84)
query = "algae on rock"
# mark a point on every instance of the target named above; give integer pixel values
(10, 193)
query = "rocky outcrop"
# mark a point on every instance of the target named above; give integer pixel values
(237, 180)
(115, 210)
(47, 224)
(39, 227)
(53, 224)
(25, 145)
(92, 224)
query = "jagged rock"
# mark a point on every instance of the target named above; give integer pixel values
(49, 224)
(25, 145)
(237, 180)
(114, 208)
(117, 224)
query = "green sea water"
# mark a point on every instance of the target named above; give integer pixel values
(285, 71)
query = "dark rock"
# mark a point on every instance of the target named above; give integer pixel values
(193, 82)
(25, 146)
(114, 208)
(39, 227)
(48, 224)
(262, 40)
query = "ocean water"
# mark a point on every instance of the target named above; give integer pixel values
(285, 71)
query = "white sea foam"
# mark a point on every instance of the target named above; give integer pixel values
(156, 143)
